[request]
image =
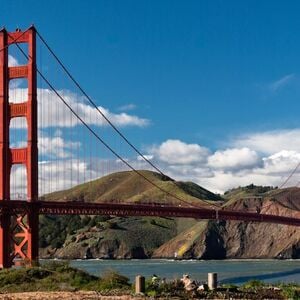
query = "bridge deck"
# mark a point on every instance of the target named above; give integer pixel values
(81, 208)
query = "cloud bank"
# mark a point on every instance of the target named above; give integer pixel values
(217, 170)
(262, 158)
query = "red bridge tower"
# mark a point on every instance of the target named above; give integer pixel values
(18, 233)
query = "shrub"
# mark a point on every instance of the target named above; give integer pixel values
(57, 266)
(253, 284)
(113, 280)
(290, 291)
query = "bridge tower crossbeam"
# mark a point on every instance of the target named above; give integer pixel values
(18, 233)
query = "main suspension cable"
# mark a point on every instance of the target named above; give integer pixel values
(290, 176)
(96, 107)
(284, 183)
(107, 146)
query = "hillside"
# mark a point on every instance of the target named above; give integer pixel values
(114, 237)
(129, 187)
(224, 239)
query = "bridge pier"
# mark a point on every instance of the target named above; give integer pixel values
(5, 241)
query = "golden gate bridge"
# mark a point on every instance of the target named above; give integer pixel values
(19, 218)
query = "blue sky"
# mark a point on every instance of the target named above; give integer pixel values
(215, 79)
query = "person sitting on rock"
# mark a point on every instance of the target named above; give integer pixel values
(155, 280)
(189, 284)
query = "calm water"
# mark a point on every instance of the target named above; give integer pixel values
(233, 271)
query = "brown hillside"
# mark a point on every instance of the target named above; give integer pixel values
(239, 239)
(129, 187)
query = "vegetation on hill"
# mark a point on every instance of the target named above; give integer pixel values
(248, 190)
(129, 187)
(251, 190)
(103, 236)
(199, 192)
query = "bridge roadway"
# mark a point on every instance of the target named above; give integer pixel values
(115, 209)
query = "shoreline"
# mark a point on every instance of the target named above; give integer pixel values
(59, 280)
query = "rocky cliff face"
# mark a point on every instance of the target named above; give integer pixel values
(219, 240)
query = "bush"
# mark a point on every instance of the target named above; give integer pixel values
(290, 291)
(57, 266)
(112, 280)
(51, 276)
(166, 289)
(53, 230)
(253, 284)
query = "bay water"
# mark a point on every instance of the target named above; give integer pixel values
(229, 271)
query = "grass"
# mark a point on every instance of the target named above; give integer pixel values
(131, 188)
(58, 276)
(290, 291)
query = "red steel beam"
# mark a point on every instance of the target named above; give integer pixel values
(75, 208)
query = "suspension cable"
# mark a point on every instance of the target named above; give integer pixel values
(286, 197)
(290, 176)
(284, 183)
(107, 146)
(96, 107)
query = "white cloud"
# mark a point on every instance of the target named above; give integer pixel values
(221, 181)
(178, 152)
(281, 163)
(280, 83)
(262, 158)
(63, 174)
(218, 171)
(127, 107)
(56, 146)
(60, 174)
(12, 61)
(149, 157)
(53, 112)
(232, 167)
(234, 159)
(270, 142)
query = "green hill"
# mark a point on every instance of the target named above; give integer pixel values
(251, 190)
(113, 237)
(129, 187)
